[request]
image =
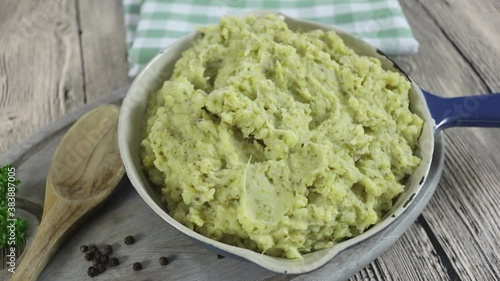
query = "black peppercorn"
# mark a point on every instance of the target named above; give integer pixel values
(129, 240)
(84, 248)
(137, 266)
(163, 261)
(89, 256)
(101, 268)
(108, 250)
(114, 262)
(92, 249)
(92, 271)
(104, 259)
(95, 262)
(97, 254)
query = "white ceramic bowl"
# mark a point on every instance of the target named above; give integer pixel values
(160, 69)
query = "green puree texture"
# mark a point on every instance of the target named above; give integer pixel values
(277, 141)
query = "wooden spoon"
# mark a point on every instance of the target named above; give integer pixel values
(85, 170)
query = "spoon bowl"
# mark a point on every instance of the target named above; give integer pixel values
(85, 170)
(84, 164)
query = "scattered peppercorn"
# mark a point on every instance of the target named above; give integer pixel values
(220, 256)
(101, 268)
(163, 261)
(137, 266)
(92, 249)
(84, 248)
(108, 249)
(129, 240)
(95, 262)
(104, 259)
(97, 254)
(92, 271)
(114, 262)
(89, 256)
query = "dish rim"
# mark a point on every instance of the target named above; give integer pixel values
(138, 93)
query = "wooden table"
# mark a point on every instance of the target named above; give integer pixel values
(56, 55)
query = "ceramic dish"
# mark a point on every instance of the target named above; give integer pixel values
(353, 253)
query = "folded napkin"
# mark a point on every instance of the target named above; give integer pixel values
(154, 24)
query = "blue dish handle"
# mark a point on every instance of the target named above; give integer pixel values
(469, 111)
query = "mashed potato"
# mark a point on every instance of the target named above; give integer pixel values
(277, 141)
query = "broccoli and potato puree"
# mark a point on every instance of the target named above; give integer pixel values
(278, 141)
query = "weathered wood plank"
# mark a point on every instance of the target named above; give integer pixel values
(495, 4)
(40, 66)
(104, 48)
(438, 66)
(463, 214)
(473, 27)
(80, 53)
(412, 257)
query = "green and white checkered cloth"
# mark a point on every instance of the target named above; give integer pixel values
(154, 24)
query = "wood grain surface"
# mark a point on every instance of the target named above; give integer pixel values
(40, 66)
(80, 54)
(104, 55)
(55, 56)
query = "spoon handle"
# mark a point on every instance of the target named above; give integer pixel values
(46, 242)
